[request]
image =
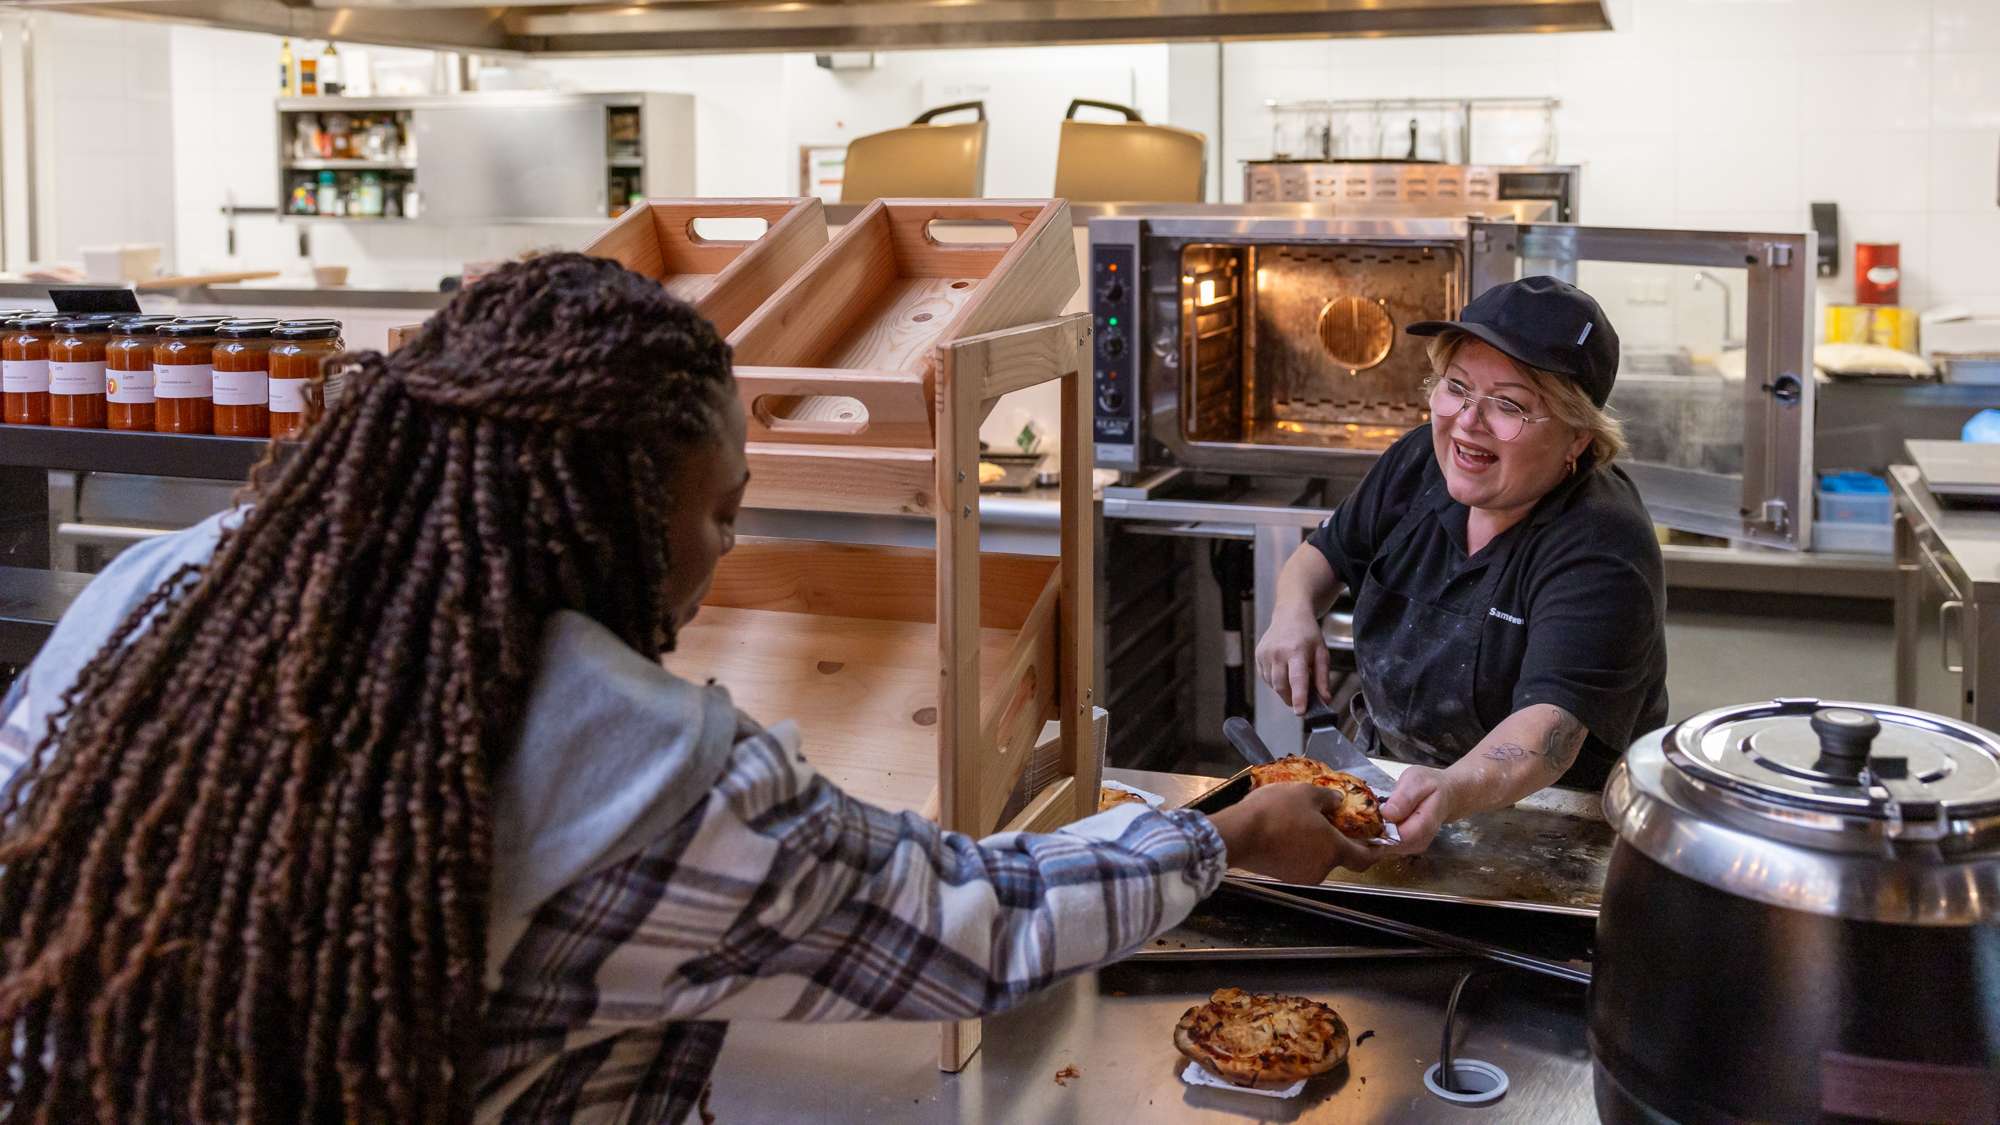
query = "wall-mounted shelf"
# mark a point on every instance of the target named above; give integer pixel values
(486, 158)
(351, 165)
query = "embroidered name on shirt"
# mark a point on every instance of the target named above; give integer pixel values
(1494, 611)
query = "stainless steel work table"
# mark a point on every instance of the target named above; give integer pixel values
(1115, 1027)
(1947, 603)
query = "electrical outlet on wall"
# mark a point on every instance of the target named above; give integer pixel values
(1646, 291)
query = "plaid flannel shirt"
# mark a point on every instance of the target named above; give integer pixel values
(783, 898)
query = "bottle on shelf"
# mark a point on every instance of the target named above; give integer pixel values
(242, 378)
(299, 351)
(24, 369)
(184, 377)
(308, 76)
(287, 81)
(329, 71)
(328, 202)
(306, 137)
(76, 371)
(340, 136)
(368, 198)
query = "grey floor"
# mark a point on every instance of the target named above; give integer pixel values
(1724, 649)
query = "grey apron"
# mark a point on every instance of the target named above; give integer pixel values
(1417, 659)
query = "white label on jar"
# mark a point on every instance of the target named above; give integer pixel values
(24, 376)
(76, 378)
(1884, 275)
(241, 388)
(183, 380)
(288, 396)
(129, 388)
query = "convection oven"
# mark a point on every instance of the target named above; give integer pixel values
(1268, 341)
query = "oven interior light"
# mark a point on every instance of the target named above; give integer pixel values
(1205, 293)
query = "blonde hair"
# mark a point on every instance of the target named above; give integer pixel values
(1567, 402)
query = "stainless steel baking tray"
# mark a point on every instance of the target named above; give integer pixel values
(1548, 853)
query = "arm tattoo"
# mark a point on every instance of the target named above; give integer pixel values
(1559, 745)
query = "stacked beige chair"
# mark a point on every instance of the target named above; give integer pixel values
(1128, 161)
(919, 160)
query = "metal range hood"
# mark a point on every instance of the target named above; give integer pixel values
(542, 27)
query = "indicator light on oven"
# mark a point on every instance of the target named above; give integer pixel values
(1113, 267)
(1112, 321)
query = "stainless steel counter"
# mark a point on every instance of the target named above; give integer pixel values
(1947, 603)
(1115, 1027)
(1970, 536)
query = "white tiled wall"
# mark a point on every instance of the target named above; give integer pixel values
(1693, 112)
(752, 114)
(103, 112)
(1724, 113)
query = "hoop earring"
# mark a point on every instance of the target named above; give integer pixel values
(1570, 468)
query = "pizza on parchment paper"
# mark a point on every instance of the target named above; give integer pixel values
(1250, 1039)
(1359, 818)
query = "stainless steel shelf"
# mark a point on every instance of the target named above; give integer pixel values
(116, 451)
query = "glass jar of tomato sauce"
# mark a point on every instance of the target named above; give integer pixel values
(299, 351)
(128, 373)
(24, 369)
(242, 360)
(184, 377)
(76, 372)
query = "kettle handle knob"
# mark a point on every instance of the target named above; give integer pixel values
(1845, 736)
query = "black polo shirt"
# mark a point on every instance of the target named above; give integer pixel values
(1579, 608)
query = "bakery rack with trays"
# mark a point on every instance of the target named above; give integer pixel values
(920, 679)
(725, 279)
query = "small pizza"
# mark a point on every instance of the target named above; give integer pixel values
(990, 473)
(1108, 797)
(1295, 767)
(1359, 816)
(1250, 1039)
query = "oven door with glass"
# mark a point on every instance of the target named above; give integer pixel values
(1715, 386)
(1266, 347)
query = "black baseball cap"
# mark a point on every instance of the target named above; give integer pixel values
(1546, 323)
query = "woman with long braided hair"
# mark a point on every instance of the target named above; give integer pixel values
(370, 801)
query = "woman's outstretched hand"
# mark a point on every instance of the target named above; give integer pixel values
(1283, 831)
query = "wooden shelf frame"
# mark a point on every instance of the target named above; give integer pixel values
(922, 680)
(724, 279)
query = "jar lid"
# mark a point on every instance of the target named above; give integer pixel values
(85, 324)
(304, 320)
(246, 329)
(140, 325)
(293, 330)
(38, 322)
(183, 328)
(1888, 769)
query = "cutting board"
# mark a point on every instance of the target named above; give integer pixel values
(190, 280)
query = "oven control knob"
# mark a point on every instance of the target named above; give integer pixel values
(1113, 291)
(1114, 344)
(1112, 401)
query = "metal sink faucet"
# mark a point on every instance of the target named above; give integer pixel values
(1728, 341)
